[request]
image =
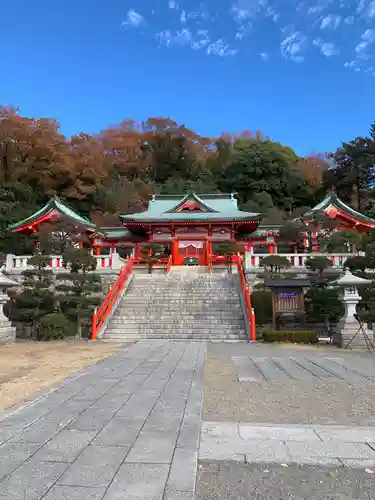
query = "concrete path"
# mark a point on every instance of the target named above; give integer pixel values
(302, 368)
(331, 445)
(126, 428)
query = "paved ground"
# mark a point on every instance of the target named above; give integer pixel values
(331, 445)
(130, 428)
(300, 385)
(127, 428)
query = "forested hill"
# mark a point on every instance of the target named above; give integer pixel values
(116, 170)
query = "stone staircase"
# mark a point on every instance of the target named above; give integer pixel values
(187, 304)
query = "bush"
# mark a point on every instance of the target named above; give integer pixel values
(261, 300)
(296, 336)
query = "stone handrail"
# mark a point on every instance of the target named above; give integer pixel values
(19, 263)
(297, 260)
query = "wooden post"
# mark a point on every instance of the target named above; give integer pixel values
(174, 251)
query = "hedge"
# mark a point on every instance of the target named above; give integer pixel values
(296, 336)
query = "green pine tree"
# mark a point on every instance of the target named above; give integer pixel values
(79, 289)
(37, 303)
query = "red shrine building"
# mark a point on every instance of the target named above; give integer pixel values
(188, 225)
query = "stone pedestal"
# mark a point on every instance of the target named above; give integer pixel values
(349, 326)
(7, 332)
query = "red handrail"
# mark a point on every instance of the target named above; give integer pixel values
(246, 296)
(105, 310)
(169, 264)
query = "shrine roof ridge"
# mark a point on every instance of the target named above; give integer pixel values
(53, 203)
(213, 196)
(333, 200)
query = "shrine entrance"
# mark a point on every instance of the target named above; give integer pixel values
(191, 253)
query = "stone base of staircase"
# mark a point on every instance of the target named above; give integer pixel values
(189, 304)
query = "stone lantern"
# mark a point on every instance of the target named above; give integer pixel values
(348, 325)
(7, 331)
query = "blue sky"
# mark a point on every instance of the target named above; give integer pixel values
(301, 71)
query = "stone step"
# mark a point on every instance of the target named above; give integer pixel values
(175, 337)
(186, 300)
(174, 331)
(183, 317)
(171, 327)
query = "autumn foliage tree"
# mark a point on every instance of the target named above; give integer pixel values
(115, 171)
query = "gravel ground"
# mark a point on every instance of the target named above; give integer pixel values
(233, 481)
(325, 402)
(28, 367)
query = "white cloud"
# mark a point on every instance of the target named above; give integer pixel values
(264, 56)
(243, 10)
(350, 64)
(367, 37)
(292, 46)
(172, 4)
(133, 18)
(165, 37)
(328, 49)
(330, 21)
(220, 48)
(202, 40)
(349, 20)
(183, 17)
(360, 6)
(371, 9)
(273, 14)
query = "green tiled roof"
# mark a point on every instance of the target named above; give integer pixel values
(215, 207)
(54, 204)
(334, 200)
(115, 232)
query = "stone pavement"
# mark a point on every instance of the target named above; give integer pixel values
(302, 368)
(329, 445)
(125, 428)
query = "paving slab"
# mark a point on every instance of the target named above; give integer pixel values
(65, 446)
(31, 480)
(138, 482)
(328, 445)
(118, 430)
(74, 493)
(95, 467)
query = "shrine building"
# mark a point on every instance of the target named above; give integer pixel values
(188, 225)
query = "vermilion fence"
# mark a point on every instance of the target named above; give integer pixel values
(246, 295)
(105, 310)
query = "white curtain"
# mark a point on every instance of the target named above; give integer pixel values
(195, 244)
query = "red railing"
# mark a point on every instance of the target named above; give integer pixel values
(105, 310)
(246, 296)
(169, 265)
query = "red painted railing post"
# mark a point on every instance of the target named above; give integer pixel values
(246, 295)
(105, 310)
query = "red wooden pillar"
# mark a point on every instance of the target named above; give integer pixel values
(136, 253)
(97, 251)
(271, 248)
(174, 251)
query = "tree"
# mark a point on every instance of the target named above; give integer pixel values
(323, 304)
(256, 166)
(344, 241)
(37, 302)
(318, 264)
(228, 249)
(151, 253)
(275, 263)
(80, 291)
(353, 170)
